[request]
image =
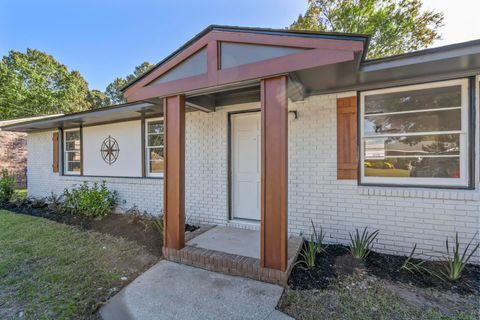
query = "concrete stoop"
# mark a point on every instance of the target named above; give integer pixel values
(234, 264)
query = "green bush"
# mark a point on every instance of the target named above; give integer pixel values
(7, 186)
(94, 201)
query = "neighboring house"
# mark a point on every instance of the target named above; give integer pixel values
(13, 151)
(270, 129)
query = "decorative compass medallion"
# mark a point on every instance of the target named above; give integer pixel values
(110, 150)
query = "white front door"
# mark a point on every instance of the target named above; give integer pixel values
(245, 165)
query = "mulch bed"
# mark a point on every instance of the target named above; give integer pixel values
(336, 261)
(132, 227)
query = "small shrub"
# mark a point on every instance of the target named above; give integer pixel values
(456, 263)
(361, 245)
(55, 203)
(411, 266)
(36, 203)
(95, 201)
(7, 186)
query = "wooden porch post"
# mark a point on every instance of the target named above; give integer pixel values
(174, 177)
(274, 183)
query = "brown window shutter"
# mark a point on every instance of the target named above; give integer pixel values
(347, 138)
(55, 152)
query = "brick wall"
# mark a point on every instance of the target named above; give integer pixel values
(13, 155)
(403, 215)
(147, 194)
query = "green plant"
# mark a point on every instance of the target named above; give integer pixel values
(411, 266)
(308, 254)
(7, 186)
(36, 203)
(157, 222)
(318, 237)
(55, 202)
(455, 265)
(361, 245)
(94, 201)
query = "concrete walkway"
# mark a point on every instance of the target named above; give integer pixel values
(173, 291)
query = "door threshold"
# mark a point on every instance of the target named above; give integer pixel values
(248, 224)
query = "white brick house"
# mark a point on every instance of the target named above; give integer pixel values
(417, 143)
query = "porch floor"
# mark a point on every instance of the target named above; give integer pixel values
(232, 251)
(236, 241)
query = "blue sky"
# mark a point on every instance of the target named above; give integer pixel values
(104, 39)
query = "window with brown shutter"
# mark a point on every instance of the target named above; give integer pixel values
(347, 138)
(55, 152)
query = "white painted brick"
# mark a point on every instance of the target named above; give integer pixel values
(403, 215)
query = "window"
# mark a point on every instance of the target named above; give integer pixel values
(72, 152)
(154, 148)
(416, 135)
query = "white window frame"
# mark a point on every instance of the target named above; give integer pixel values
(477, 130)
(65, 153)
(147, 148)
(463, 180)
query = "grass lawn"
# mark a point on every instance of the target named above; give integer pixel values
(50, 270)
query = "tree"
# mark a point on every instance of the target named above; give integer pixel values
(113, 91)
(395, 26)
(34, 83)
(97, 99)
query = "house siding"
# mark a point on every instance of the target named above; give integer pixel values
(404, 215)
(146, 194)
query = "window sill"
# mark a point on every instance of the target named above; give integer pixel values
(446, 193)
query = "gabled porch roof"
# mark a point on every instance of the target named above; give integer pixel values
(222, 58)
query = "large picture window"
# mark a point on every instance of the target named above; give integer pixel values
(154, 148)
(416, 135)
(72, 152)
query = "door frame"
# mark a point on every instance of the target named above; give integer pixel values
(230, 216)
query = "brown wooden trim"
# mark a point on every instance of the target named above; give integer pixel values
(274, 181)
(81, 150)
(143, 148)
(347, 162)
(211, 40)
(62, 151)
(55, 153)
(287, 41)
(213, 60)
(182, 56)
(164, 89)
(257, 70)
(174, 182)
